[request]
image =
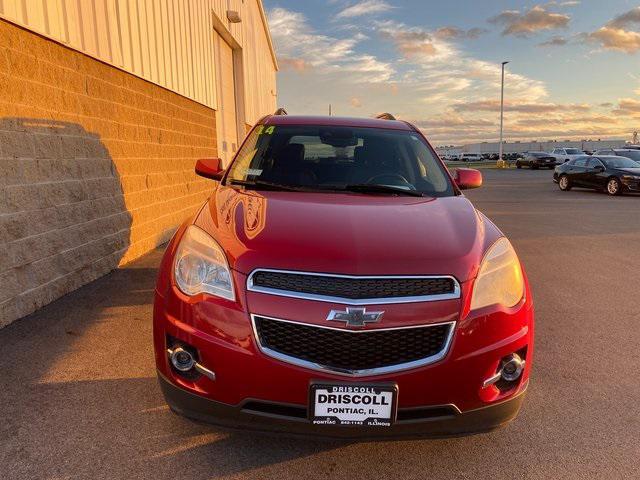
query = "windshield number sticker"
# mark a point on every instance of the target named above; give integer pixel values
(266, 131)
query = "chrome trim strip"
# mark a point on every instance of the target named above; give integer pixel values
(492, 379)
(349, 301)
(354, 373)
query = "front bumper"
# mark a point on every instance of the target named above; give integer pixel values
(283, 418)
(221, 332)
(631, 185)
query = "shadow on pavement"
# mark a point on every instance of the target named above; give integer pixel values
(80, 398)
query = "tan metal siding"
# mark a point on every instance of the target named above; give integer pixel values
(168, 42)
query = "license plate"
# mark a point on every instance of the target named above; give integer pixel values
(348, 404)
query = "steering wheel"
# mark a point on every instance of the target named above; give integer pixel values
(391, 179)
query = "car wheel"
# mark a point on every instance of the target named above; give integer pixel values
(518, 164)
(564, 183)
(534, 166)
(614, 186)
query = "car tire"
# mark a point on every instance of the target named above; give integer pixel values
(564, 183)
(518, 164)
(614, 186)
(534, 166)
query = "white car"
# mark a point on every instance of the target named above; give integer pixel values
(565, 154)
(470, 157)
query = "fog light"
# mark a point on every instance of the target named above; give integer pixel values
(513, 368)
(510, 371)
(182, 360)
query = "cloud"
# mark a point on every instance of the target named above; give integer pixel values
(494, 106)
(447, 121)
(439, 70)
(626, 19)
(297, 64)
(453, 33)
(617, 34)
(555, 41)
(300, 48)
(568, 3)
(628, 106)
(524, 24)
(410, 42)
(431, 79)
(364, 7)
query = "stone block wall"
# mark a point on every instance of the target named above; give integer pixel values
(96, 168)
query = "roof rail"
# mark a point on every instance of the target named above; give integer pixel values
(385, 116)
(281, 111)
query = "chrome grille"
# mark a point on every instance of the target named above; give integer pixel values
(349, 352)
(354, 290)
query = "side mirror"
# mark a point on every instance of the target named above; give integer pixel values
(598, 168)
(210, 168)
(467, 178)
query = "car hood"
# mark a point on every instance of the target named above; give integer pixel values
(353, 234)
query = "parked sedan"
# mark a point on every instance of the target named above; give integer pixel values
(614, 175)
(620, 152)
(535, 160)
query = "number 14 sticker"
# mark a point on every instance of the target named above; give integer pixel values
(266, 131)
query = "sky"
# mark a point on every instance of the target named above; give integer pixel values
(574, 70)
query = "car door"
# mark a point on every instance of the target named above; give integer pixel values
(576, 172)
(593, 176)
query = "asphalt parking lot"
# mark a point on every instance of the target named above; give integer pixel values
(80, 400)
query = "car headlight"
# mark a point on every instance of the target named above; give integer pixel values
(500, 280)
(201, 265)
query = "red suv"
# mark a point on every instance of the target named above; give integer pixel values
(338, 283)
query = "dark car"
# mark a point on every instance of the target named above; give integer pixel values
(620, 152)
(535, 160)
(611, 174)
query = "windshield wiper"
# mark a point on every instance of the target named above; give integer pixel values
(263, 184)
(375, 188)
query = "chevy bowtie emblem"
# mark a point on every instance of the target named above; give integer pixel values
(355, 317)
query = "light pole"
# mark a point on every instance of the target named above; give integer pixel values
(500, 159)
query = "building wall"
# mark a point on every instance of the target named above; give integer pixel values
(96, 168)
(168, 42)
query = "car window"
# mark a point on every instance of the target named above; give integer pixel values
(593, 162)
(619, 162)
(581, 162)
(573, 151)
(632, 154)
(328, 158)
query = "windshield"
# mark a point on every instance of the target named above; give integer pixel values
(338, 158)
(632, 154)
(620, 162)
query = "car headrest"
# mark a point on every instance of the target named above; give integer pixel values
(290, 155)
